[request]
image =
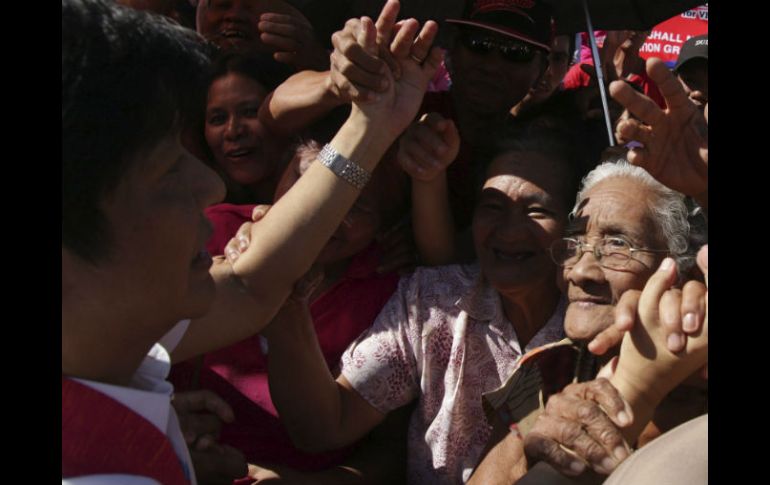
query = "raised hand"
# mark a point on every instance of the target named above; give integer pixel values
(681, 312)
(293, 40)
(428, 147)
(355, 73)
(647, 370)
(401, 87)
(675, 140)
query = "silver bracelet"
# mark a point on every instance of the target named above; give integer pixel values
(344, 168)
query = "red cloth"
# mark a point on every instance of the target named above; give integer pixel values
(239, 373)
(102, 436)
(226, 219)
(577, 78)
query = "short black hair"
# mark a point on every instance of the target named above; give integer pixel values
(128, 79)
(252, 64)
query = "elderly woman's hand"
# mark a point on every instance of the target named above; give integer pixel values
(585, 419)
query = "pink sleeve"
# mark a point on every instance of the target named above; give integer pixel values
(381, 364)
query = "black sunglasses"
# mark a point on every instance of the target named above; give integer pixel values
(512, 50)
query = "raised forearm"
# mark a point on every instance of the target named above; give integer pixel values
(298, 102)
(433, 223)
(642, 402)
(286, 242)
(312, 405)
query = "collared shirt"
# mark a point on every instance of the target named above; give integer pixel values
(149, 395)
(444, 340)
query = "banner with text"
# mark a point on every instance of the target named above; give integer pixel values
(666, 39)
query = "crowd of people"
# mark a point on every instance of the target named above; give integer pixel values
(325, 243)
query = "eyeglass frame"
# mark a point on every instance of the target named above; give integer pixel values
(598, 255)
(473, 41)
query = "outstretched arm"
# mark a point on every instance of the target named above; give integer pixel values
(292, 233)
(425, 151)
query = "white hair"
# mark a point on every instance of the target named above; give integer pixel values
(667, 206)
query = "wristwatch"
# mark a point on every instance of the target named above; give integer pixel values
(344, 168)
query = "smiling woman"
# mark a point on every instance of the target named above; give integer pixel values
(240, 146)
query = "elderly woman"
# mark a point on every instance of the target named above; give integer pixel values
(623, 226)
(449, 333)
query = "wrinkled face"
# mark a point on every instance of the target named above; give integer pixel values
(558, 64)
(159, 266)
(694, 77)
(613, 207)
(233, 131)
(521, 211)
(489, 83)
(359, 227)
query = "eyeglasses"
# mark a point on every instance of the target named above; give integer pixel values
(611, 252)
(513, 51)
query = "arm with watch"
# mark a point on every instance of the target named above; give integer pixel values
(290, 236)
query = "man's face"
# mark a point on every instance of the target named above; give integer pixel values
(613, 207)
(558, 64)
(158, 267)
(486, 80)
(520, 213)
(694, 77)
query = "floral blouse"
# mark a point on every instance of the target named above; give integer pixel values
(441, 339)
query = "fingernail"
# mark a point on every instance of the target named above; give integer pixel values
(623, 418)
(577, 466)
(232, 255)
(690, 322)
(674, 342)
(260, 213)
(666, 264)
(620, 453)
(608, 464)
